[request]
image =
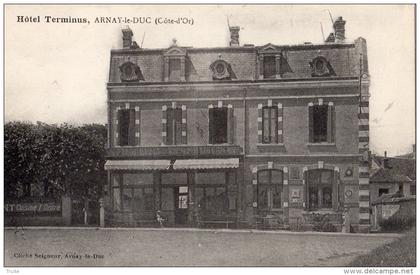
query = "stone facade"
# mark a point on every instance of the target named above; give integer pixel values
(268, 136)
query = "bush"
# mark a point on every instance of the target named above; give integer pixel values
(321, 223)
(396, 223)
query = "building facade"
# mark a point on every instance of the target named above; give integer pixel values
(239, 135)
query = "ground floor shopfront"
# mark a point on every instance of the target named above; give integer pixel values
(235, 192)
(189, 192)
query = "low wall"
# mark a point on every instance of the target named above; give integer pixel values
(38, 212)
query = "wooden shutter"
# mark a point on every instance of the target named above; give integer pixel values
(211, 126)
(120, 125)
(306, 190)
(131, 127)
(331, 124)
(230, 125)
(311, 123)
(170, 126)
(178, 126)
(335, 191)
(274, 124)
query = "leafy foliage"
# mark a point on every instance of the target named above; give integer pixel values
(55, 159)
(322, 223)
(397, 223)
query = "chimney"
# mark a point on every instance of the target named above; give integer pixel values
(385, 163)
(339, 30)
(234, 36)
(330, 38)
(127, 38)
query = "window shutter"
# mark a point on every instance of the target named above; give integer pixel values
(131, 127)
(230, 125)
(120, 118)
(306, 190)
(335, 195)
(170, 126)
(274, 124)
(178, 126)
(211, 128)
(331, 124)
(311, 123)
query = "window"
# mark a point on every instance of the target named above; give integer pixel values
(320, 189)
(383, 191)
(218, 125)
(270, 189)
(174, 126)
(320, 118)
(269, 66)
(174, 69)
(270, 124)
(126, 130)
(321, 123)
(211, 194)
(133, 192)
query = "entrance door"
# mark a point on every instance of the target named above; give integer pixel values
(181, 205)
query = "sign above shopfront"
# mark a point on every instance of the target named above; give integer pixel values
(176, 151)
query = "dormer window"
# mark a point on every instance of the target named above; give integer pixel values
(321, 67)
(174, 67)
(269, 67)
(222, 70)
(130, 72)
(174, 70)
(272, 63)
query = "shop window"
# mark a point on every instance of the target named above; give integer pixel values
(126, 130)
(270, 189)
(218, 128)
(320, 189)
(270, 124)
(269, 66)
(321, 123)
(174, 126)
(174, 69)
(383, 191)
(211, 194)
(133, 193)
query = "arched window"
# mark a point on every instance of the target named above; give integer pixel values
(270, 189)
(320, 189)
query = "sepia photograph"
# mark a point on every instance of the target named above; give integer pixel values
(210, 135)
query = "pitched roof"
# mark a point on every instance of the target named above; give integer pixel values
(392, 199)
(399, 166)
(388, 176)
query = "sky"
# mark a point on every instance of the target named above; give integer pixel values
(57, 72)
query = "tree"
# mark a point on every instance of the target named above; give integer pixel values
(55, 159)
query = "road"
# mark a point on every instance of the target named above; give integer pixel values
(176, 247)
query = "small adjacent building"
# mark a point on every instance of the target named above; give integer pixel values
(389, 175)
(239, 135)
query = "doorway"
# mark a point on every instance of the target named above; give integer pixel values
(181, 204)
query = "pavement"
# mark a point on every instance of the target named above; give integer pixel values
(83, 246)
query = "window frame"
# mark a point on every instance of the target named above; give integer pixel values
(318, 185)
(229, 137)
(122, 187)
(130, 132)
(270, 186)
(273, 74)
(173, 126)
(320, 123)
(330, 123)
(271, 120)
